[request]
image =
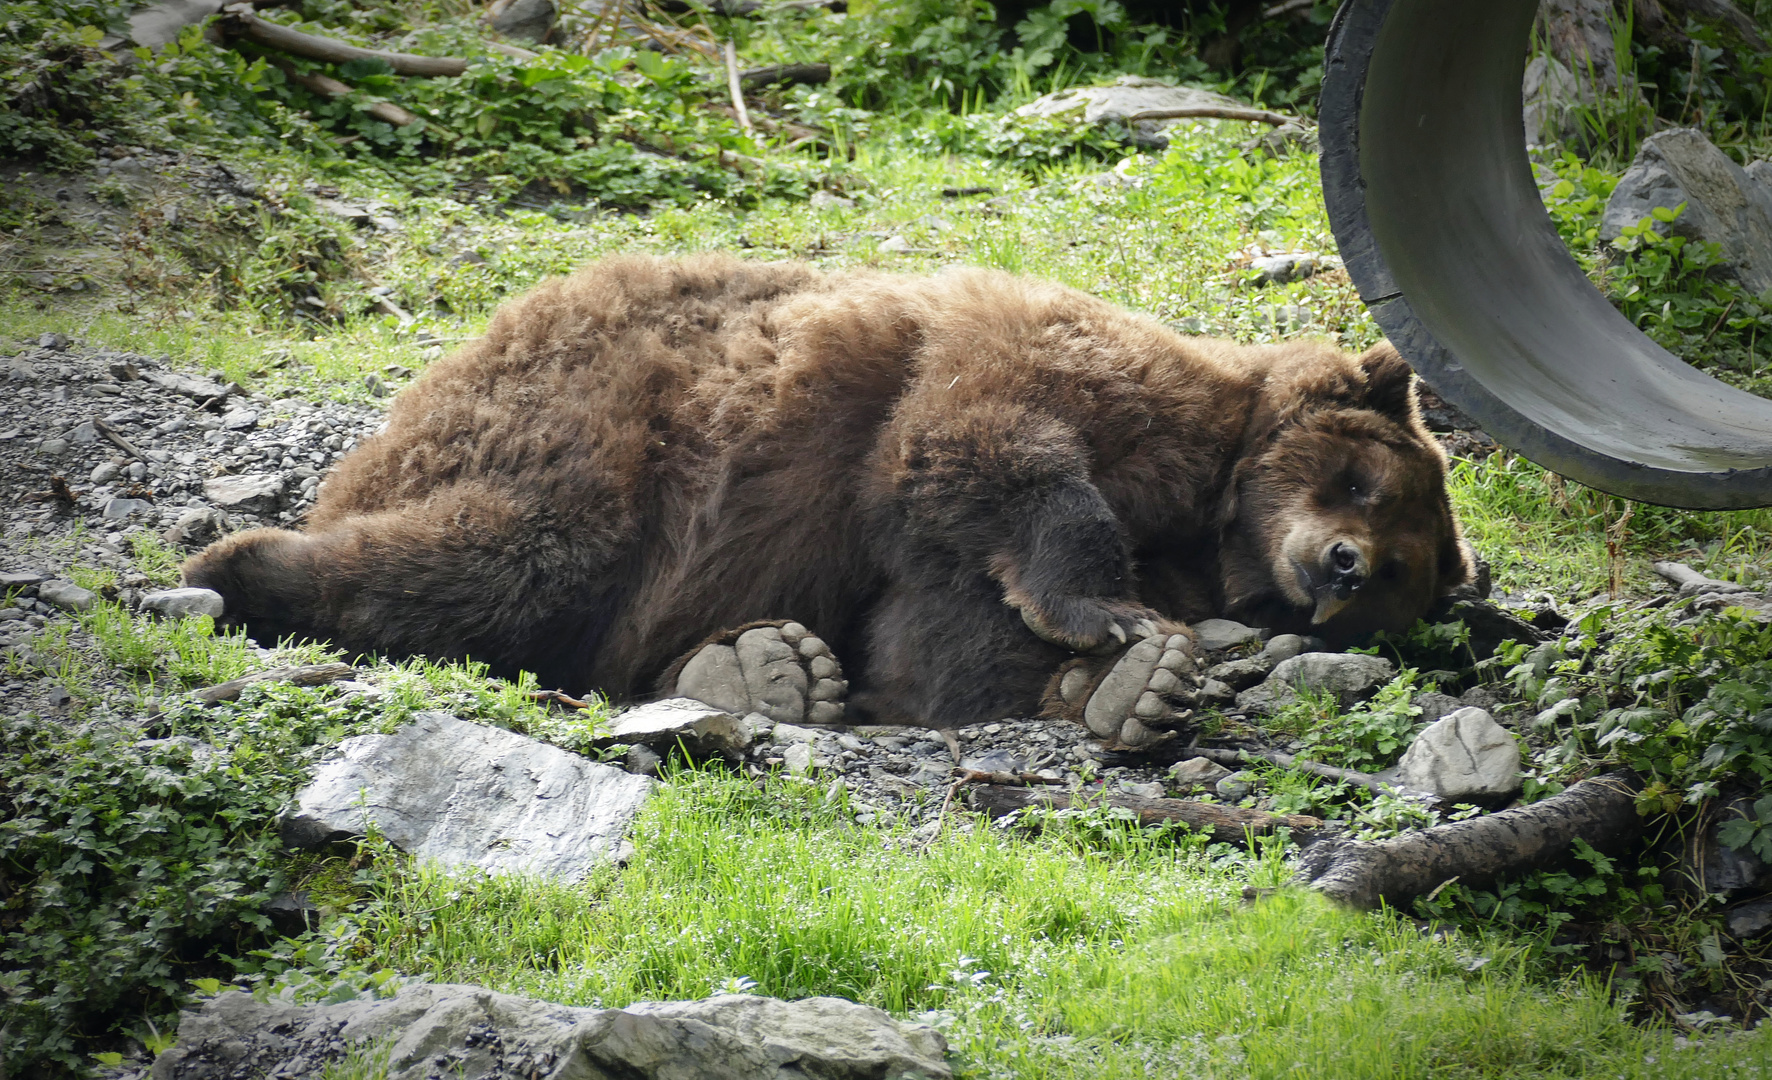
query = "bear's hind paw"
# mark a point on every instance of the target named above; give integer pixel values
(1150, 691)
(781, 671)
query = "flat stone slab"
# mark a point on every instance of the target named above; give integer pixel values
(254, 493)
(184, 603)
(470, 1033)
(701, 729)
(470, 795)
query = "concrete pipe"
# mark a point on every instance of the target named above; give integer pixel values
(1442, 229)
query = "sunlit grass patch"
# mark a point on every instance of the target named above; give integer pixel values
(1073, 954)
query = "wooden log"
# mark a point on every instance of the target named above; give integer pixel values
(1220, 822)
(810, 74)
(1601, 811)
(729, 50)
(304, 675)
(1214, 112)
(242, 21)
(327, 86)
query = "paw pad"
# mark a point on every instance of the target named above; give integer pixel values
(782, 672)
(1152, 687)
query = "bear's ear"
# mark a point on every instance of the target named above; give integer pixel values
(1389, 382)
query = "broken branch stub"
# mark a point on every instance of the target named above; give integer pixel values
(242, 21)
(1601, 811)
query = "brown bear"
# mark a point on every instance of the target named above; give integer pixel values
(985, 493)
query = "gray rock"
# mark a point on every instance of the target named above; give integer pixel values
(197, 527)
(18, 369)
(785, 734)
(702, 730)
(1435, 705)
(52, 448)
(1463, 757)
(1145, 790)
(116, 509)
(1751, 919)
(104, 472)
(20, 579)
(191, 386)
(1723, 205)
(1714, 867)
(642, 760)
(53, 342)
(1351, 677)
(994, 761)
(1128, 95)
(184, 603)
(526, 20)
(1280, 269)
(66, 594)
(1197, 772)
(824, 200)
(444, 1029)
(239, 420)
(1236, 786)
(800, 759)
(1216, 635)
(83, 434)
(256, 493)
(468, 795)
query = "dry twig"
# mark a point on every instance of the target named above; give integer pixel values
(1214, 112)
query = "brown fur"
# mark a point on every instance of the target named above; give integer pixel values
(919, 469)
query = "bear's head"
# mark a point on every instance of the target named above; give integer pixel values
(1338, 523)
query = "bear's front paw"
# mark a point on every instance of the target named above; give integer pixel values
(1152, 689)
(1089, 625)
(782, 672)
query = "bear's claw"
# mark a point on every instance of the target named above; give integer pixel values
(1151, 689)
(783, 672)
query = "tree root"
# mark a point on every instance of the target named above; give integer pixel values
(1601, 811)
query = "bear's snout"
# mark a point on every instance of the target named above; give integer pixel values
(1348, 567)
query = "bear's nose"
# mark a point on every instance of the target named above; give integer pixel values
(1347, 570)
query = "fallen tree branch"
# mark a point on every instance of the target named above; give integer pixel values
(305, 675)
(730, 51)
(119, 441)
(1228, 824)
(242, 21)
(1370, 781)
(329, 87)
(809, 74)
(1214, 112)
(1601, 811)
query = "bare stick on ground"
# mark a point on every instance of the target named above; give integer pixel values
(1224, 823)
(744, 117)
(1215, 112)
(315, 47)
(305, 675)
(327, 86)
(1601, 811)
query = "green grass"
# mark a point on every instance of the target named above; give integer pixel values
(1056, 956)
